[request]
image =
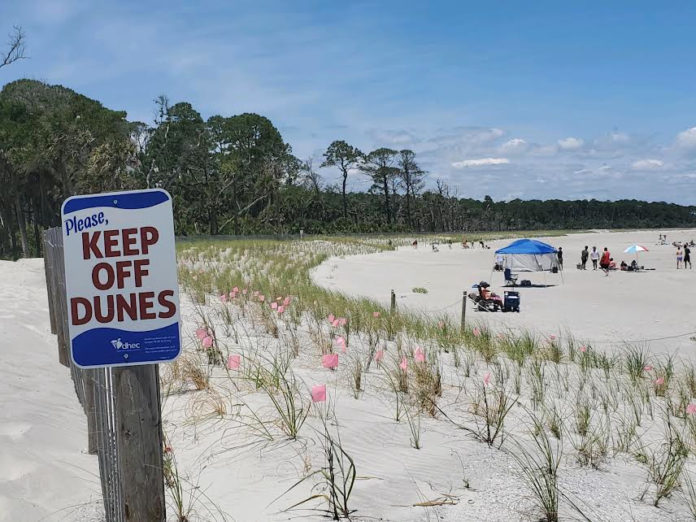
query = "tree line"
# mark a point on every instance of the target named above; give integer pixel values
(236, 175)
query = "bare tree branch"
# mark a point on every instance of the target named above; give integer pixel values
(15, 47)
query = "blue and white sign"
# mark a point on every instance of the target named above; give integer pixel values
(121, 278)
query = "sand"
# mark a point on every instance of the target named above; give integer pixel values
(653, 307)
(45, 471)
(47, 475)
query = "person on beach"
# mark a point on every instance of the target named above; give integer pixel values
(594, 256)
(559, 254)
(687, 256)
(680, 257)
(605, 261)
(583, 258)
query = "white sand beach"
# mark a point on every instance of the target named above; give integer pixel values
(650, 307)
(235, 468)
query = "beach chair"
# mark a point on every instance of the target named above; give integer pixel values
(510, 278)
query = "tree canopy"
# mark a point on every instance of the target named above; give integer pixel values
(236, 175)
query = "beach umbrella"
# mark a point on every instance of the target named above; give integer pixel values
(634, 249)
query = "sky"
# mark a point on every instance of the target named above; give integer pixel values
(513, 99)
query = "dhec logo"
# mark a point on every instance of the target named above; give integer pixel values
(119, 345)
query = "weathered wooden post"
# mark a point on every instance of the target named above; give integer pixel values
(463, 322)
(393, 302)
(139, 446)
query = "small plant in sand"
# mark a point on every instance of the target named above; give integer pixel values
(492, 404)
(337, 476)
(420, 290)
(288, 402)
(636, 362)
(666, 463)
(414, 425)
(539, 467)
(427, 382)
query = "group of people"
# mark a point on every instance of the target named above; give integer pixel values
(684, 255)
(604, 260)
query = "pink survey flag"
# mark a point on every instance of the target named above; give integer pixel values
(419, 355)
(691, 409)
(233, 362)
(281, 309)
(476, 332)
(334, 323)
(648, 368)
(235, 289)
(201, 333)
(375, 315)
(274, 305)
(223, 298)
(262, 298)
(287, 300)
(487, 379)
(330, 361)
(342, 321)
(659, 381)
(403, 364)
(340, 341)
(319, 393)
(583, 348)
(331, 318)
(379, 355)
(207, 341)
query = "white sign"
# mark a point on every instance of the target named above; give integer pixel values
(121, 278)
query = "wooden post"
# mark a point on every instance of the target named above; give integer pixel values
(139, 441)
(464, 299)
(48, 269)
(393, 302)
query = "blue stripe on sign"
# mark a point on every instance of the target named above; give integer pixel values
(133, 200)
(112, 346)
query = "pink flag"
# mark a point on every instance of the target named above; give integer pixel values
(583, 348)
(403, 364)
(477, 332)
(375, 315)
(335, 323)
(340, 341)
(319, 393)
(207, 341)
(330, 361)
(287, 300)
(331, 318)
(648, 368)
(379, 355)
(487, 379)
(262, 298)
(342, 321)
(233, 362)
(235, 289)
(418, 355)
(274, 305)
(223, 298)
(659, 381)
(691, 409)
(281, 309)
(201, 333)
(552, 337)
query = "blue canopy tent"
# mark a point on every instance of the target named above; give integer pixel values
(527, 255)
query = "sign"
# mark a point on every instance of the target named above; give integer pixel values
(121, 278)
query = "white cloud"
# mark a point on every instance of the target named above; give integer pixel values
(480, 162)
(514, 145)
(647, 164)
(687, 138)
(570, 143)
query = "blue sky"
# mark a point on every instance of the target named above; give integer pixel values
(512, 99)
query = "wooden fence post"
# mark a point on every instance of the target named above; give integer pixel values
(139, 440)
(48, 269)
(393, 302)
(464, 299)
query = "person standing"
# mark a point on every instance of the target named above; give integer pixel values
(559, 254)
(594, 256)
(680, 257)
(583, 258)
(605, 261)
(687, 256)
